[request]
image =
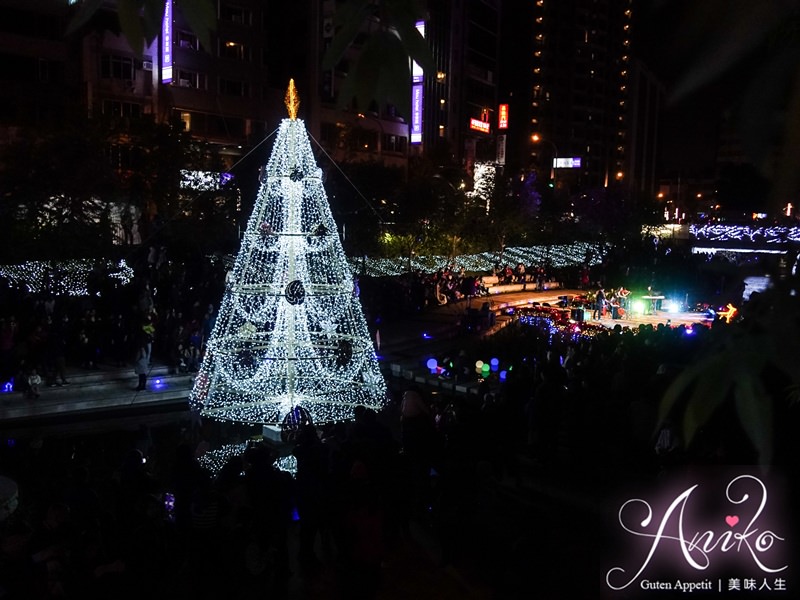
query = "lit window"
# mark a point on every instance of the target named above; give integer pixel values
(234, 51)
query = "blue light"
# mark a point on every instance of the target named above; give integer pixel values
(426, 336)
(8, 387)
(503, 375)
(431, 364)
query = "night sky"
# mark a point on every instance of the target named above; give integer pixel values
(707, 54)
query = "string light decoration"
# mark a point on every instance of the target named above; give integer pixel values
(556, 255)
(214, 460)
(484, 182)
(290, 331)
(65, 277)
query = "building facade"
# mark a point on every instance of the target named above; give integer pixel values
(517, 83)
(574, 93)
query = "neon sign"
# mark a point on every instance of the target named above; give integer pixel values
(564, 162)
(696, 537)
(166, 44)
(416, 113)
(478, 125)
(417, 77)
(502, 116)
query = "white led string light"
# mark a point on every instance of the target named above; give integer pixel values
(65, 277)
(290, 331)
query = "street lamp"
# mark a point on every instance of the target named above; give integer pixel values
(536, 139)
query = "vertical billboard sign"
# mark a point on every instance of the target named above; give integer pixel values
(502, 117)
(166, 44)
(417, 77)
(501, 150)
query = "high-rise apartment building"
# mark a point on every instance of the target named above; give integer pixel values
(224, 94)
(559, 70)
(461, 107)
(567, 75)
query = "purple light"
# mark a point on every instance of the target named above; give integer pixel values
(166, 44)
(416, 113)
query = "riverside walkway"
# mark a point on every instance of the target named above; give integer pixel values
(403, 346)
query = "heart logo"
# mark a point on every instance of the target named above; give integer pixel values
(731, 520)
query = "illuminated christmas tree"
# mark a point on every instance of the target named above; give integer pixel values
(290, 338)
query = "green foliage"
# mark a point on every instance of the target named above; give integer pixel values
(54, 185)
(739, 368)
(381, 74)
(751, 366)
(362, 195)
(140, 20)
(60, 183)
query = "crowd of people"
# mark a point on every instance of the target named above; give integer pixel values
(138, 516)
(144, 517)
(132, 516)
(418, 290)
(167, 310)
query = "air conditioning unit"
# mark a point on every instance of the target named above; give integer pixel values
(147, 65)
(185, 83)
